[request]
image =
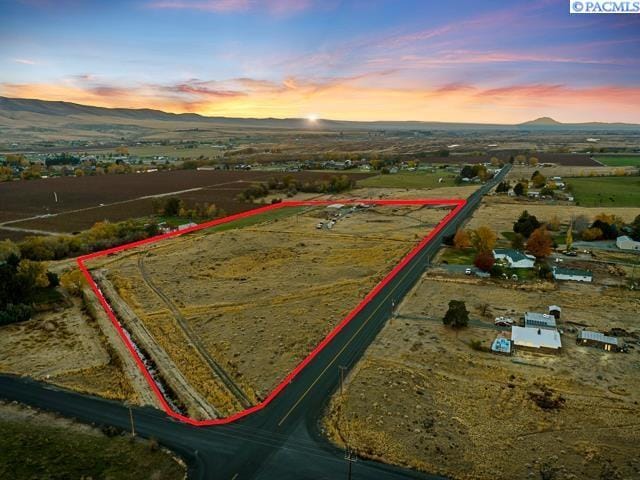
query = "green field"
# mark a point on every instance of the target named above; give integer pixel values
(455, 256)
(409, 180)
(32, 451)
(606, 191)
(619, 160)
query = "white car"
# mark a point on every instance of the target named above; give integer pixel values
(467, 271)
(503, 321)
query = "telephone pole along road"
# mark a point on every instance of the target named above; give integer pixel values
(282, 440)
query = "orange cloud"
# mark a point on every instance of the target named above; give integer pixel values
(353, 99)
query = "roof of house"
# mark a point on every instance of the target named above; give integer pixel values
(536, 337)
(540, 319)
(572, 272)
(514, 255)
(597, 337)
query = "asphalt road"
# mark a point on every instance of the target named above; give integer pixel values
(282, 441)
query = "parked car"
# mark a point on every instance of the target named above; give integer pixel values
(570, 253)
(503, 321)
(467, 271)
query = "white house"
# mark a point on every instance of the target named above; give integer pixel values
(536, 339)
(572, 274)
(627, 243)
(515, 258)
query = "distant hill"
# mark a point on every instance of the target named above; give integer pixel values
(27, 120)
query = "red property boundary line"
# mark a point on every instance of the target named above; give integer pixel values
(457, 203)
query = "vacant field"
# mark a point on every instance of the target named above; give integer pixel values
(619, 160)
(410, 180)
(500, 213)
(22, 199)
(607, 191)
(67, 348)
(37, 445)
(423, 397)
(208, 298)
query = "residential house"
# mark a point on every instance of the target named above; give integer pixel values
(627, 243)
(536, 339)
(514, 258)
(560, 273)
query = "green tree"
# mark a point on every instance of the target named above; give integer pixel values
(457, 315)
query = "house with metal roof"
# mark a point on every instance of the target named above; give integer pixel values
(536, 339)
(597, 339)
(514, 258)
(541, 320)
(560, 273)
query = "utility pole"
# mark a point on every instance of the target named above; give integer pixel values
(133, 429)
(342, 368)
(351, 458)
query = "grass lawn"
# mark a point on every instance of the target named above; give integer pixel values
(606, 191)
(409, 180)
(454, 256)
(30, 451)
(619, 160)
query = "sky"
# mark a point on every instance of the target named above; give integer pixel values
(483, 61)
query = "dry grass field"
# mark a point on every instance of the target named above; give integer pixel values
(209, 297)
(423, 397)
(66, 348)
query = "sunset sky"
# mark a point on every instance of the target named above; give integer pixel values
(474, 61)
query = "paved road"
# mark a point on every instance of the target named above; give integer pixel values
(281, 441)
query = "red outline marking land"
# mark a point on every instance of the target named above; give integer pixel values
(457, 203)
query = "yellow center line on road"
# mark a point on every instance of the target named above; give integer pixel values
(356, 333)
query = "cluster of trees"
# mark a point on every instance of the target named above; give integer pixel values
(482, 239)
(101, 236)
(20, 280)
(290, 186)
(533, 235)
(472, 171)
(604, 227)
(175, 207)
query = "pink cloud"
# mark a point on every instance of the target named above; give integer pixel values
(276, 7)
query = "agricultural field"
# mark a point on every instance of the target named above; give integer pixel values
(35, 444)
(410, 180)
(423, 397)
(606, 191)
(192, 295)
(83, 201)
(619, 160)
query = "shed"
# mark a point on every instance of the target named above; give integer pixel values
(536, 339)
(597, 339)
(541, 320)
(501, 345)
(555, 310)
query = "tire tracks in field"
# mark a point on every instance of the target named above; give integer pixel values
(235, 391)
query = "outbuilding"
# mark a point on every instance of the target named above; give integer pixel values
(501, 345)
(536, 339)
(576, 275)
(597, 339)
(541, 320)
(627, 243)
